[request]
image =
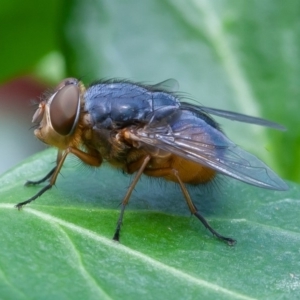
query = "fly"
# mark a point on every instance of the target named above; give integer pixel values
(145, 129)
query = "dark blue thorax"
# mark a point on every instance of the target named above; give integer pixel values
(117, 104)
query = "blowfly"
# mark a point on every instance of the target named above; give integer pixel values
(145, 129)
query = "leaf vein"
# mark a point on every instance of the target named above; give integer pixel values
(84, 272)
(142, 257)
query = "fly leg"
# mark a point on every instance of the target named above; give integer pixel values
(31, 182)
(88, 158)
(196, 213)
(116, 236)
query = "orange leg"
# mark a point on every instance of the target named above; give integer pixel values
(31, 182)
(87, 158)
(135, 166)
(116, 236)
(196, 213)
(166, 172)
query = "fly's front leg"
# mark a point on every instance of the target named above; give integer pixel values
(58, 158)
(88, 158)
(196, 213)
(116, 236)
(35, 182)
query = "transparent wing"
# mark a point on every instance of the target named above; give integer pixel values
(169, 85)
(191, 137)
(233, 116)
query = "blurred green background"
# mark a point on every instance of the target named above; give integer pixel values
(235, 55)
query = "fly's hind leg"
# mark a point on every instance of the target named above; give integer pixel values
(196, 213)
(125, 201)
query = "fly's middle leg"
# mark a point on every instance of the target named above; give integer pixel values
(125, 201)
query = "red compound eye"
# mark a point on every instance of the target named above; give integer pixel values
(64, 107)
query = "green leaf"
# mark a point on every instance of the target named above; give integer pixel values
(60, 247)
(235, 55)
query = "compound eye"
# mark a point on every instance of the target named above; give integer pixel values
(64, 109)
(65, 82)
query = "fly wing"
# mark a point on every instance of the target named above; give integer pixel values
(233, 116)
(170, 85)
(191, 137)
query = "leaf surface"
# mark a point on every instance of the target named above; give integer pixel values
(60, 245)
